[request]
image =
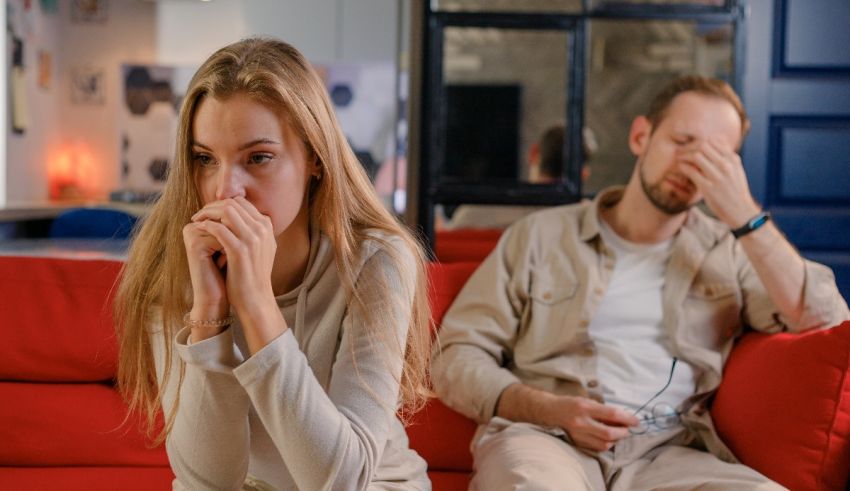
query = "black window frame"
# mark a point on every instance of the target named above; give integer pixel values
(430, 191)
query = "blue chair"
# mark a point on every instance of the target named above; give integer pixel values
(92, 223)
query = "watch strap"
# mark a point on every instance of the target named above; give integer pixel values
(752, 224)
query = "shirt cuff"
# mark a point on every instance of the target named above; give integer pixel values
(824, 306)
(216, 354)
(492, 391)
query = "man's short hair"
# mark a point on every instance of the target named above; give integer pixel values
(700, 85)
(552, 151)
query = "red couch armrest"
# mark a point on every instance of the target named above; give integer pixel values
(783, 407)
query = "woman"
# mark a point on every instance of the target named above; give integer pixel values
(270, 304)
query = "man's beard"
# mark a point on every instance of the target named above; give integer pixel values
(665, 202)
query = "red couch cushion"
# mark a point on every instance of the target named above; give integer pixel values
(440, 435)
(449, 481)
(86, 478)
(57, 319)
(70, 425)
(784, 407)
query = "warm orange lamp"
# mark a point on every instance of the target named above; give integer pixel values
(72, 173)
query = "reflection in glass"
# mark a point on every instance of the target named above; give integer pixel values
(503, 89)
(711, 3)
(629, 61)
(478, 216)
(527, 6)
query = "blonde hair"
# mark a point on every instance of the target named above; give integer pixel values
(343, 205)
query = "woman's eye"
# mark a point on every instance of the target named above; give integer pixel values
(202, 159)
(259, 158)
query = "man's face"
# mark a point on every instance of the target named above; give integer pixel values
(690, 119)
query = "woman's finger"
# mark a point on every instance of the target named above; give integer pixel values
(231, 215)
(223, 235)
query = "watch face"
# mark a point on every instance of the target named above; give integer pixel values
(759, 221)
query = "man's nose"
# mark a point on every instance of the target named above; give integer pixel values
(231, 182)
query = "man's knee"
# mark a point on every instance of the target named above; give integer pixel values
(520, 457)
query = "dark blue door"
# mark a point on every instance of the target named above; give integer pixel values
(797, 89)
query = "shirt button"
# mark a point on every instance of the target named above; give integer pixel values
(598, 290)
(592, 383)
(583, 323)
(547, 296)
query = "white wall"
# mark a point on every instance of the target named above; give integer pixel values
(324, 30)
(163, 32)
(26, 172)
(56, 123)
(127, 37)
(5, 120)
(188, 32)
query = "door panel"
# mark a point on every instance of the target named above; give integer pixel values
(797, 91)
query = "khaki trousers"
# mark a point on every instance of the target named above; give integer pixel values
(522, 456)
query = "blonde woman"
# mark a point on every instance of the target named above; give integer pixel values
(270, 305)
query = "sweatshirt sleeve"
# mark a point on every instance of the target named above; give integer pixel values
(479, 332)
(334, 439)
(208, 446)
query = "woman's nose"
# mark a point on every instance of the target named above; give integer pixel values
(230, 182)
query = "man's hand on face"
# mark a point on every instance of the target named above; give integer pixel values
(718, 174)
(592, 425)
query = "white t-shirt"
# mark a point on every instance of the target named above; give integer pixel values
(634, 358)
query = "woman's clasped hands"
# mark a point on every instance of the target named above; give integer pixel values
(230, 247)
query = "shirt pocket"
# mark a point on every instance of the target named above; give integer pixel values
(550, 293)
(712, 313)
(552, 285)
(548, 327)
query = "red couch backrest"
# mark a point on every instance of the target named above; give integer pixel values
(57, 317)
(59, 328)
(460, 245)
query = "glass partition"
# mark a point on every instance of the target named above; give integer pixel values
(503, 89)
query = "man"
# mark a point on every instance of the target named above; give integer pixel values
(545, 166)
(589, 343)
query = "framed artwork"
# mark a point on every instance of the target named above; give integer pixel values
(147, 123)
(88, 86)
(18, 89)
(88, 11)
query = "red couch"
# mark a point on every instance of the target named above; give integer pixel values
(60, 416)
(784, 406)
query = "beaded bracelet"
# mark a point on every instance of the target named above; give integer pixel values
(210, 323)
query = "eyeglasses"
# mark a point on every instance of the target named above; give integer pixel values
(660, 416)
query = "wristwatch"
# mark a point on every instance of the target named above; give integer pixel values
(752, 224)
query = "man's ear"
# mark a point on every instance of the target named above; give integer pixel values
(639, 134)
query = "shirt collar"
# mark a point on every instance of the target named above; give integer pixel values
(707, 231)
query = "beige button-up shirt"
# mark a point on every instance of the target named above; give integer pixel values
(523, 316)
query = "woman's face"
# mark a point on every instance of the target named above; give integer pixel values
(242, 148)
